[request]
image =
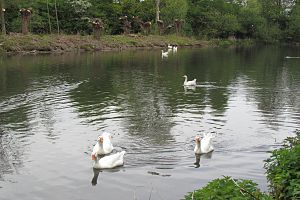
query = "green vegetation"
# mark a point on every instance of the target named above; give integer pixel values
(283, 173)
(227, 188)
(262, 20)
(54, 42)
(283, 170)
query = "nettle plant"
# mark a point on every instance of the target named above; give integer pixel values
(283, 169)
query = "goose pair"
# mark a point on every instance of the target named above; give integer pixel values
(172, 48)
(102, 147)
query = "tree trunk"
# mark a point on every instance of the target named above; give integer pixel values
(96, 33)
(2, 18)
(25, 14)
(49, 22)
(24, 26)
(157, 9)
(56, 17)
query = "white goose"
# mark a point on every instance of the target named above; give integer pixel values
(203, 145)
(111, 161)
(170, 46)
(103, 145)
(174, 49)
(164, 54)
(186, 82)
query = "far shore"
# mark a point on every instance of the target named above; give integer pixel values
(34, 44)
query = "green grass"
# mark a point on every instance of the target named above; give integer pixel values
(19, 43)
(50, 43)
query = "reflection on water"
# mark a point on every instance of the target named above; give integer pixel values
(188, 88)
(95, 177)
(197, 163)
(198, 158)
(52, 108)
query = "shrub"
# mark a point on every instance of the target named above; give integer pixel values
(227, 188)
(283, 169)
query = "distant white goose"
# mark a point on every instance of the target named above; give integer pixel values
(164, 54)
(170, 46)
(174, 49)
(203, 145)
(292, 57)
(186, 82)
(103, 145)
(110, 161)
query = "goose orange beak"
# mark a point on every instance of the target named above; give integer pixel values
(93, 157)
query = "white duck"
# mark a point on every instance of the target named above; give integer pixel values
(103, 145)
(110, 161)
(164, 54)
(186, 82)
(203, 145)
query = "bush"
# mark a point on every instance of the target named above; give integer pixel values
(227, 188)
(283, 169)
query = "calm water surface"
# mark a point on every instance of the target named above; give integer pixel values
(53, 107)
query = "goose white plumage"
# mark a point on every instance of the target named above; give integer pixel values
(203, 145)
(170, 46)
(110, 161)
(174, 49)
(103, 145)
(164, 54)
(186, 82)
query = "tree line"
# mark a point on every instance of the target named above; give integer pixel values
(264, 20)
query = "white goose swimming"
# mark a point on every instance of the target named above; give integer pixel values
(164, 54)
(174, 49)
(186, 82)
(103, 145)
(110, 161)
(203, 145)
(170, 46)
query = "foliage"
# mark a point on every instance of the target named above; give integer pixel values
(293, 30)
(226, 188)
(169, 6)
(283, 169)
(263, 20)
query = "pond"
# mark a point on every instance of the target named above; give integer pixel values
(53, 107)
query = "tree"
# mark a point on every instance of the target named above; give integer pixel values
(97, 28)
(56, 16)
(25, 14)
(49, 20)
(173, 9)
(293, 31)
(2, 17)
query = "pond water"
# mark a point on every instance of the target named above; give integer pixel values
(53, 107)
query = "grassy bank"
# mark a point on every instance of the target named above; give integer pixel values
(18, 43)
